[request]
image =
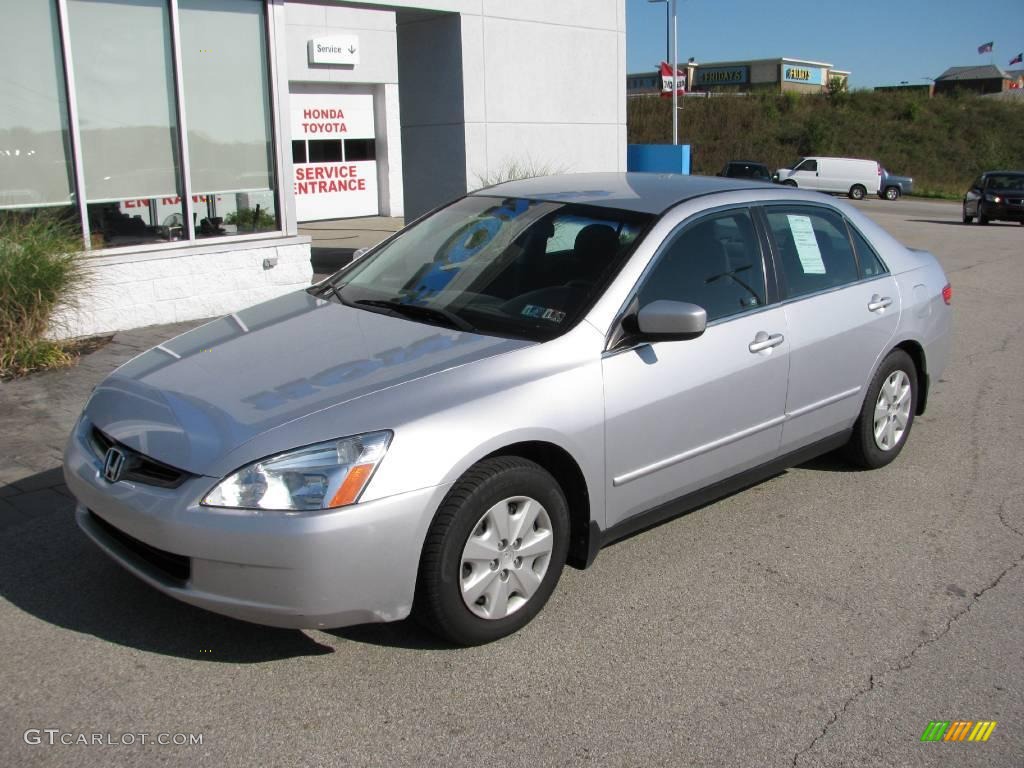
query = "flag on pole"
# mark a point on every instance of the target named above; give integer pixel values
(668, 83)
(1017, 59)
(986, 48)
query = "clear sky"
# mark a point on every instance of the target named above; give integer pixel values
(881, 42)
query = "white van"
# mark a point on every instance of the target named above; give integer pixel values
(843, 175)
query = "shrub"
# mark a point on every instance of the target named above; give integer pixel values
(41, 268)
(251, 219)
(512, 170)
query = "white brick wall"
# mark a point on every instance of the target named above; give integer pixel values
(151, 289)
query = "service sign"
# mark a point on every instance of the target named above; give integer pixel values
(337, 49)
(330, 180)
(796, 73)
(709, 76)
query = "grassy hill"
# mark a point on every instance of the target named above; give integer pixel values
(942, 142)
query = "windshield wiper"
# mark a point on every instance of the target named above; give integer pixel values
(435, 314)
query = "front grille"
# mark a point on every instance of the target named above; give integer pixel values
(1015, 200)
(138, 467)
(177, 567)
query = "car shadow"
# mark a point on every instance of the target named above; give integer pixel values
(399, 634)
(50, 570)
(830, 462)
(955, 222)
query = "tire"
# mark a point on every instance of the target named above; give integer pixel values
(789, 183)
(892, 193)
(877, 437)
(459, 584)
(967, 219)
(857, 192)
(982, 219)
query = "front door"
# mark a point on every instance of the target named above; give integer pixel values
(680, 415)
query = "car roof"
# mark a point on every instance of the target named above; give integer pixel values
(641, 192)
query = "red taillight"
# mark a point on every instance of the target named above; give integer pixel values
(947, 294)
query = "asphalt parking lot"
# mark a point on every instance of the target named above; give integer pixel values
(821, 618)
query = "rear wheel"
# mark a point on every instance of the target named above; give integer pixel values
(857, 192)
(892, 193)
(887, 415)
(494, 552)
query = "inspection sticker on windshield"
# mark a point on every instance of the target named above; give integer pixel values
(544, 313)
(806, 244)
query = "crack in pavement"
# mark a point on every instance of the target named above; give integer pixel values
(907, 660)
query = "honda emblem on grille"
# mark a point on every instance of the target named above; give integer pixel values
(113, 465)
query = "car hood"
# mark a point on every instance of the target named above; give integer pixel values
(191, 400)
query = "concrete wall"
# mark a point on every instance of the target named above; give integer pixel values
(542, 84)
(135, 290)
(376, 73)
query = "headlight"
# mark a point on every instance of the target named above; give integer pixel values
(321, 476)
(993, 198)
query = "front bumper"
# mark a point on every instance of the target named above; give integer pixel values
(1002, 211)
(349, 566)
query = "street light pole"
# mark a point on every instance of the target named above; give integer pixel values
(675, 77)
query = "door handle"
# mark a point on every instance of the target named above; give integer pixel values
(878, 302)
(763, 341)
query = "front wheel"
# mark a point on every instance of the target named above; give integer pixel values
(892, 193)
(789, 183)
(887, 415)
(494, 552)
(857, 192)
(982, 218)
(967, 219)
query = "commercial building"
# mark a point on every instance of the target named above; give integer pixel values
(987, 78)
(746, 76)
(187, 139)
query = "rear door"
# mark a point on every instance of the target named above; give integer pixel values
(842, 309)
(680, 415)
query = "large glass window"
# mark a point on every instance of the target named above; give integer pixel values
(35, 156)
(227, 110)
(124, 84)
(715, 263)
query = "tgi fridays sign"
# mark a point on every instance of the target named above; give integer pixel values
(340, 188)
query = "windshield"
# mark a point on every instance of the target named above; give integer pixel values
(503, 266)
(1007, 181)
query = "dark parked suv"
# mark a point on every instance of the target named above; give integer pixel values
(995, 196)
(744, 169)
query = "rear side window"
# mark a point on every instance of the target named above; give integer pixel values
(812, 249)
(870, 264)
(714, 263)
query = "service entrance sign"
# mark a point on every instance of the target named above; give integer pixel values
(335, 167)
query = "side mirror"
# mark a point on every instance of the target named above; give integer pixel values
(665, 320)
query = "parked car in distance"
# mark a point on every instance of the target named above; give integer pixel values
(745, 169)
(501, 388)
(995, 196)
(893, 187)
(838, 175)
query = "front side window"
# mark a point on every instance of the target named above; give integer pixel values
(503, 266)
(812, 249)
(715, 263)
(808, 165)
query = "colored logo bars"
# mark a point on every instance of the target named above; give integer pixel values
(958, 730)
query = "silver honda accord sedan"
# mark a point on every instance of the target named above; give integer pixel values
(502, 388)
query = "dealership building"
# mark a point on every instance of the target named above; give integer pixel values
(186, 140)
(773, 75)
